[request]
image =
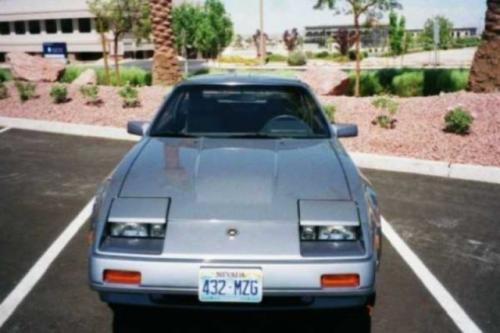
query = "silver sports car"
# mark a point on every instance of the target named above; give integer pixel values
(239, 195)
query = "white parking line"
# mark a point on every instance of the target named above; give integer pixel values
(436, 288)
(4, 129)
(433, 285)
(36, 272)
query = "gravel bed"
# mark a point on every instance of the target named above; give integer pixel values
(418, 133)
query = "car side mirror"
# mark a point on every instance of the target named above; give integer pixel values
(346, 130)
(137, 127)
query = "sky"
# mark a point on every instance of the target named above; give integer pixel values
(286, 14)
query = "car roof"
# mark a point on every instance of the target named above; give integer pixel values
(241, 79)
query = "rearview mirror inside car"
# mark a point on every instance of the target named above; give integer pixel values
(346, 130)
(137, 127)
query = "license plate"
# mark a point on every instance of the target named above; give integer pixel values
(230, 285)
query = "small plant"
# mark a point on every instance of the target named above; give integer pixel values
(91, 94)
(388, 108)
(297, 58)
(59, 93)
(330, 111)
(26, 90)
(4, 92)
(458, 120)
(130, 96)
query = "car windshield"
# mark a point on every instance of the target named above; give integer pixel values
(244, 111)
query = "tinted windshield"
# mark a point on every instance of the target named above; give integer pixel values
(264, 112)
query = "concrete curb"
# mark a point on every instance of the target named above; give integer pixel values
(68, 128)
(363, 160)
(479, 173)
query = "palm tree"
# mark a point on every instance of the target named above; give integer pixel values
(165, 65)
(485, 72)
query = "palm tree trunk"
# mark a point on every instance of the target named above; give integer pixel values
(485, 72)
(165, 65)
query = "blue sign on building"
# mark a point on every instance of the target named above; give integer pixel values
(55, 50)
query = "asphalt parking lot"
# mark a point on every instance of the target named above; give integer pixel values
(46, 179)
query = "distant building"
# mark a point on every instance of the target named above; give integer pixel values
(26, 24)
(375, 37)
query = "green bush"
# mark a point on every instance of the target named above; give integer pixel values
(91, 94)
(297, 58)
(71, 73)
(444, 80)
(388, 108)
(330, 110)
(352, 55)
(130, 96)
(5, 75)
(369, 84)
(408, 84)
(322, 55)
(277, 58)
(458, 120)
(59, 93)
(135, 76)
(26, 90)
(4, 92)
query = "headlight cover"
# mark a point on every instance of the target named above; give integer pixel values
(136, 230)
(329, 233)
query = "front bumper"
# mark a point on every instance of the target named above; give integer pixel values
(287, 284)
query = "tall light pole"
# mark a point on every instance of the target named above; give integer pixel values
(262, 35)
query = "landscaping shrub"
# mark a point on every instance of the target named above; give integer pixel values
(91, 94)
(458, 120)
(322, 55)
(59, 93)
(239, 60)
(71, 73)
(130, 96)
(297, 58)
(26, 90)
(369, 84)
(135, 76)
(5, 75)
(444, 80)
(329, 110)
(352, 55)
(277, 58)
(388, 109)
(408, 84)
(4, 92)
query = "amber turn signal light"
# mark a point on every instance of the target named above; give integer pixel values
(339, 280)
(123, 277)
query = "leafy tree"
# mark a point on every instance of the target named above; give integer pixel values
(358, 8)
(445, 33)
(122, 17)
(345, 39)
(397, 32)
(100, 10)
(291, 39)
(186, 20)
(215, 31)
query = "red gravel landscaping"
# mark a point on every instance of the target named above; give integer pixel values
(418, 133)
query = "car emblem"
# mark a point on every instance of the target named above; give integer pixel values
(232, 233)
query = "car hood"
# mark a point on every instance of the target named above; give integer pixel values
(236, 179)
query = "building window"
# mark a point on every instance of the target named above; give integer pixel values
(4, 28)
(19, 27)
(50, 26)
(34, 27)
(67, 26)
(84, 25)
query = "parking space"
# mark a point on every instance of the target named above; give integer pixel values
(453, 226)
(46, 179)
